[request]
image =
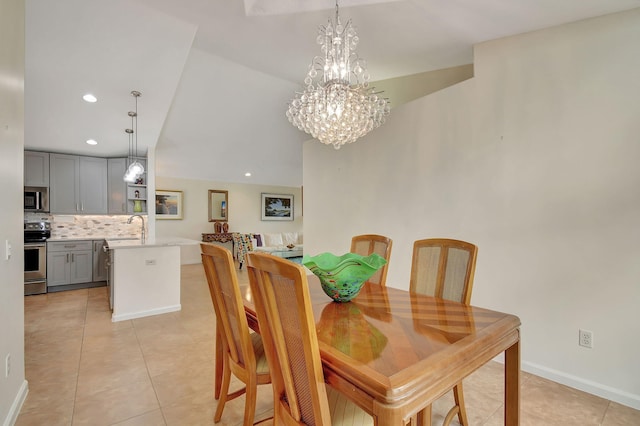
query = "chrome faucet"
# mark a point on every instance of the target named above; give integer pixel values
(142, 219)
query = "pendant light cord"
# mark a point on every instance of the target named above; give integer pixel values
(136, 129)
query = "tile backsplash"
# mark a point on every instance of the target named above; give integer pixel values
(70, 227)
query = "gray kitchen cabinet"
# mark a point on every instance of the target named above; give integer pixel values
(116, 186)
(99, 261)
(78, 185)
(69, 262)
(36, 169)
(64, 191)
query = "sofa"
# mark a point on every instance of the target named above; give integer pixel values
(274, 243)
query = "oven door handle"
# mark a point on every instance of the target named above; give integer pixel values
(29, 246)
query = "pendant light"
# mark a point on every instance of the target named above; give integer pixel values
(135, 169)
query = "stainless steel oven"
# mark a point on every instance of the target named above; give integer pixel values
(35, 257)
(35, 268)
(35, 261)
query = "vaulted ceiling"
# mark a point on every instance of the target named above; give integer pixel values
(216, 75)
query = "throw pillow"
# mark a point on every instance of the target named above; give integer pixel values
(290, 238)
(273, 240)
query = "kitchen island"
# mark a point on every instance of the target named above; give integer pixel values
(144, 278)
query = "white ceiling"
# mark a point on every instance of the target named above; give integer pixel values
(216, 75)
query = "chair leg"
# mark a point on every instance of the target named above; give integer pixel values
(250, 403)
(224, 391)
(218, 364)
(459, 397)
(458, 408)
(424, 417)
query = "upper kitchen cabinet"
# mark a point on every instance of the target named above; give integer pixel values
(78, 184)
(116, 185)
(36, 169)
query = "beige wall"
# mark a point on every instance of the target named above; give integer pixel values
(243, 211)
(404, 89)
(13, 388)
(535, 161)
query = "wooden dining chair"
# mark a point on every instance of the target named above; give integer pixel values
(281, 297)
(444, 268)
(367, 244)
(242, 351)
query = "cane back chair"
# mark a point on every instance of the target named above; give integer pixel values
(281, 296)
(444, 268)
(367, 244)
(242, 351)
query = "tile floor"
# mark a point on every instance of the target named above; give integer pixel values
(85, 370)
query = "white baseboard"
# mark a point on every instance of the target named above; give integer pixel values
(16, 406)
(134, 315)
(598, 389)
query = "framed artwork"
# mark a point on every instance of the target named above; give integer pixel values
(277, 206)
(168, 204)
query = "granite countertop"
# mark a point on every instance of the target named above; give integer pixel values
(150, 242)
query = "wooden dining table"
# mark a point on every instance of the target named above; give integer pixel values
(394, 352)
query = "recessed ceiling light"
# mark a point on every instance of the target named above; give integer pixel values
(247, 174)
(89, 98)
(92, 142)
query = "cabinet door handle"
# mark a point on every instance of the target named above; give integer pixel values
(72, 257)
(81, 207)
(67, 257)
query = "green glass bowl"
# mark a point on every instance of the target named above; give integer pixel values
(342, 277)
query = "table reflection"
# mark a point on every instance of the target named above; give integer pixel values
(344, 327)
(373, 301)
(440, 320)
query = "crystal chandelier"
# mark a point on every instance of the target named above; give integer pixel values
(337, 106)
(135, 169)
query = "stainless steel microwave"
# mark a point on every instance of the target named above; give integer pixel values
(36, 199)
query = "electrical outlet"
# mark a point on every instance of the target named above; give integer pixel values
(7, 365)
(585, 338)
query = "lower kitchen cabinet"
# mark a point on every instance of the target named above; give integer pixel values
(99, 260)
(69, 262)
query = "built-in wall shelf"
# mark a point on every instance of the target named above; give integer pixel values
(137, 192)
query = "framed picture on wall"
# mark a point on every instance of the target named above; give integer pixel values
(168, 204)
(277, 206)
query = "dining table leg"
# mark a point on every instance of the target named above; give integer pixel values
(512, 385)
